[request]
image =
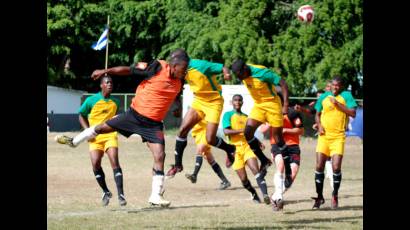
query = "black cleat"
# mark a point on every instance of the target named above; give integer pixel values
(318, 201)
(191, 177)
(224, 185)
(255, 198)
(106, 198)
(121, 200)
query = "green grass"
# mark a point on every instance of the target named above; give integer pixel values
(73, 196)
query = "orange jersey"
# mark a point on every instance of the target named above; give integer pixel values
(291, 120)
(154, 96)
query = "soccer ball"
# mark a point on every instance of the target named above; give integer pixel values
(306, 14)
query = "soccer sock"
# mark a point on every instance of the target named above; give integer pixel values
(86, 134)
(278, 181)
(118, 180)
(255, 146)
(100, 177)
(180, 145)
(337, 179)
(217, 169)
(261, 183)
(198, 164)
(288, 169)
(319, 177)
(229, 149)
(157, 183)
(247, 184)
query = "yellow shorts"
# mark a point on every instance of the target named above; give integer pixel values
(242, 154)
(210, 111)
(104, 141)
(270, 112)
(330, 146)
(199, 134)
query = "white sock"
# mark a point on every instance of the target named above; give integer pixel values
(278, 181)
(157, 185)
(86, 134)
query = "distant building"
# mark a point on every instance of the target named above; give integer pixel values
(62, 109)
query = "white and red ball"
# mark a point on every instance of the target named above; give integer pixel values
(306, 13)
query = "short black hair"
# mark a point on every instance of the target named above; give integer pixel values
(179, 53)
(237, 95)
(338, 79)
(238, 65)
(104, 77)
(178, 60)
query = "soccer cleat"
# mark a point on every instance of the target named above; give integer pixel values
(65, 140)
(191, 177)
(224, 185)
(159, 201)
(318, 201)
(121, 200)
(255, 198)
(266, 199)
(106, 198)
(277, 205)
(335, 202)
(174, 170)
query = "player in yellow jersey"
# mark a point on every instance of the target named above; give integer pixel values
(204, 151)
(332, 116)
(207, 105)
(234, 125)
(95, 110)
(260, 82)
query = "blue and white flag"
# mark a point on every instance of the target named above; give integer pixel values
(102, 41)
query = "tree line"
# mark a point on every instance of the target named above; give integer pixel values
(259, 31)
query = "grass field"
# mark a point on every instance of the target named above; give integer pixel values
(74, 197)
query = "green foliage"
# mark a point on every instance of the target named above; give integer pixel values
(260, 31)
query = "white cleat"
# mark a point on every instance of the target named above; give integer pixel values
(64, 140)
(159, 201)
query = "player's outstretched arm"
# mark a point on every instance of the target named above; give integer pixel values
(118, 71)
(351, 112)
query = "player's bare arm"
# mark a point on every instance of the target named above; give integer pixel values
(118, 71)
(293, 131)
(320, 128)
(83, 121)
(284, 87)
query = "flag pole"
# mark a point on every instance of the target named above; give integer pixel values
(106, 48)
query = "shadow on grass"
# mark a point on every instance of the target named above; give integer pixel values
(149, 209)
(303, 222)
(327, 199)
(328, 209)
(242, 228)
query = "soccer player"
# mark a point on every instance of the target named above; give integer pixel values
(207, 105)
(233, 123)
(153, 97)
(204, 150)
(332, 115)
(260, 82)
(97, 109)
(292, 129)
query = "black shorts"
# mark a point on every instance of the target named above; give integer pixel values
(131, 122)
(291, 151)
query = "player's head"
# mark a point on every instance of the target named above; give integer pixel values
(328, 86)
(179, 53)
(240, 69)
(337, 85)
(178, 66)
(106, 84)
(237, 101)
